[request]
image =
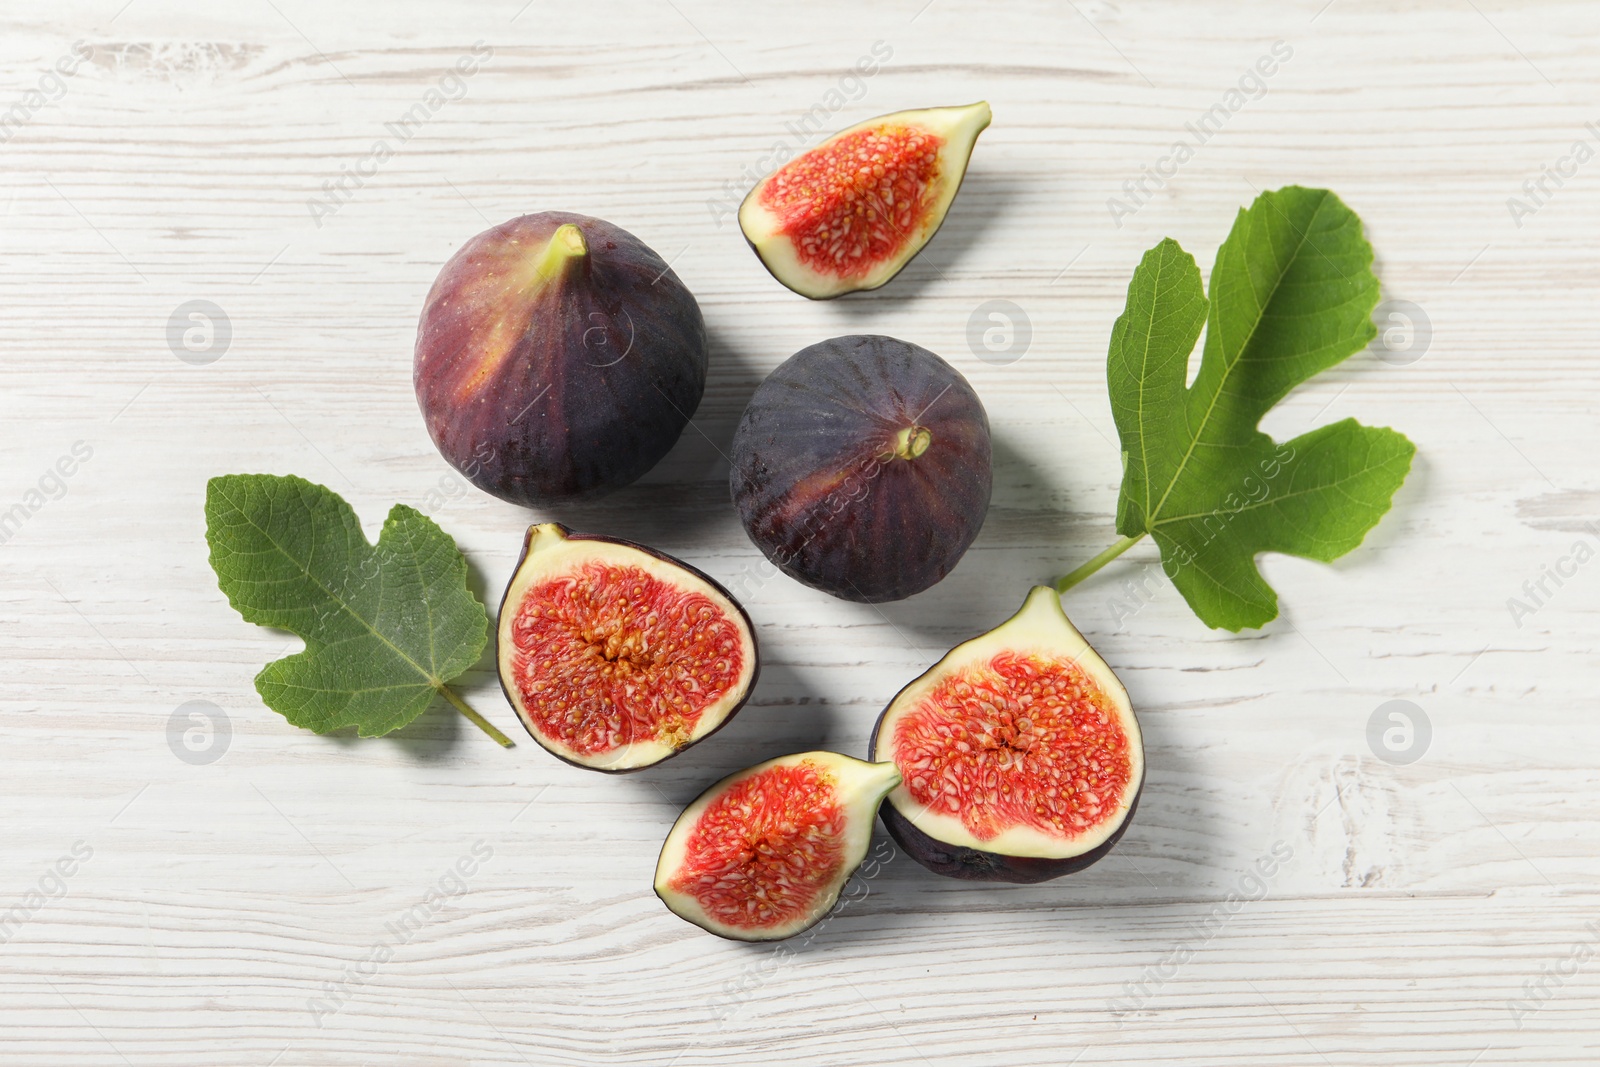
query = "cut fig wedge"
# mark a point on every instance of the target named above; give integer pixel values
(616, 656)
(763, 854)
(850, 213)
(1021, 756)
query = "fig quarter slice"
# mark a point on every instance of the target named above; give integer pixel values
(1021, 756)
(850, 213)
(616, 656)
(763, 854)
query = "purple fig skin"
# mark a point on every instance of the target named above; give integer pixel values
(977, 865)
(744, 619)
(556, 371)
(862, 467)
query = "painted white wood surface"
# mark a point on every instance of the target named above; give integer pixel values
(177, 163)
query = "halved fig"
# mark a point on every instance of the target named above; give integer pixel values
(616, 656)
(1021, 757)
(764, 853)
(851, 212)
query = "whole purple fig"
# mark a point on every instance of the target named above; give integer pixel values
(861, 467)
(558, 358)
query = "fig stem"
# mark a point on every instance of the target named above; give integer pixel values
(565, 244)
(473, 717)
(911, 442)
(1121, 545)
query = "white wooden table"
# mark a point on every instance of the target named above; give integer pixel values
(239, 911)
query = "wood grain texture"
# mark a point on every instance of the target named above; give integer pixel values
(221, 902)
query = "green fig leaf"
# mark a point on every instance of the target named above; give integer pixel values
(1292, 294)
(386, 626)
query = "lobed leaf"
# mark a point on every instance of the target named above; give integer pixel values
(386, 626)
(1292, 294)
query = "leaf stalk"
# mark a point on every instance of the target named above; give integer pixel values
(473, 717)
(1121, 545)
